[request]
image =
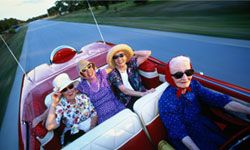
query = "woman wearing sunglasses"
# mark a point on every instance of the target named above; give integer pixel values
(180, 111)
(70, 107)
(125, 76)
(94, 83)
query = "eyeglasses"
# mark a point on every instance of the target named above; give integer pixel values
(71, 86)
(117, 56)
(179, 75)
(86, 68)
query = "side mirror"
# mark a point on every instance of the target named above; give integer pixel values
(62, 54)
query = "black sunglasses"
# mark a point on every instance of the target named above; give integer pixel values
(179, 75)
(71, 86)
(88, 67)
(117, 56)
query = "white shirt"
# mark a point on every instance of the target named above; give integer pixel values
(125, 81)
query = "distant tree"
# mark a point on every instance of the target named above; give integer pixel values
(104, 3)
(37, 17)
(52, 11)
(140, 2)
(94, 3)
(83, 5)
(61, 6)
(8, 23)
(72, 5)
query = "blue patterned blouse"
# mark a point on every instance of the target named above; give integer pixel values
(133, 77)
(182, 116)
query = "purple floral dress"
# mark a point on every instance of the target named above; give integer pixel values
(104, 100)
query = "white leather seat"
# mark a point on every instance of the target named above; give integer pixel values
(147, 109)
(147, 106)
(112, 134)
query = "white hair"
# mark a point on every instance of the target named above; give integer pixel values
(179, 60)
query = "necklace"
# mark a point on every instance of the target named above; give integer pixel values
(94, 86)
(72, 102)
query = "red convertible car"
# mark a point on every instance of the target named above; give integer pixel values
(141, 129)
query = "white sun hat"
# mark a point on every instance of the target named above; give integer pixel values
(62, 81)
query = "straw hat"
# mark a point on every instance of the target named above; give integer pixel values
(62, 81)
(120, 47)
(82, 64)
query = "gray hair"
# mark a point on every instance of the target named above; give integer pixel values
(179, 60)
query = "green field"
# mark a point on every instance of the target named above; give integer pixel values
(215, 18)
(9, 66)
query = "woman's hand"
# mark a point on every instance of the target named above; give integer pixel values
(93, 122)
(51, 119)
(237, 107)
(189, 143)
(151, 90)
(56, 98)
(148, 91)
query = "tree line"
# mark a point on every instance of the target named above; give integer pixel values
(61, 7)
(65, 6)
(9, 25)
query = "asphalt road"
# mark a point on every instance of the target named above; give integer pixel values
(224, 59)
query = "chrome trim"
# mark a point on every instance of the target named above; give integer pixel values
(239, 142)
(226, 87)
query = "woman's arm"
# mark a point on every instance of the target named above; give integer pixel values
(40, 118)
(142, 56)
(130, 92)
(237, 107)
(51, 119)
(189, 143)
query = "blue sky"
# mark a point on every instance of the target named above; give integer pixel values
(24, 9)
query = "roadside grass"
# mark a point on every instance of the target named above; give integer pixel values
(214, 18)
(9, 66)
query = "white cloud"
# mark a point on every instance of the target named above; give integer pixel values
(24, 9)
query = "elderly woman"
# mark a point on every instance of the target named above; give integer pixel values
(95, 85)
(125, 77)
(181, 113)
(72, 108)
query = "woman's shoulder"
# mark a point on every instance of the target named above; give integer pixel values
(132, 61)
(168, 95)
(102, 72)
(114, 72)
(168, 101)
(195, 84)
(81, 84)
(81, 96)
(82, 81)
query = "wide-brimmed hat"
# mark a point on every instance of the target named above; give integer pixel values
(127, 50)
(82, 64)
(62, 81)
